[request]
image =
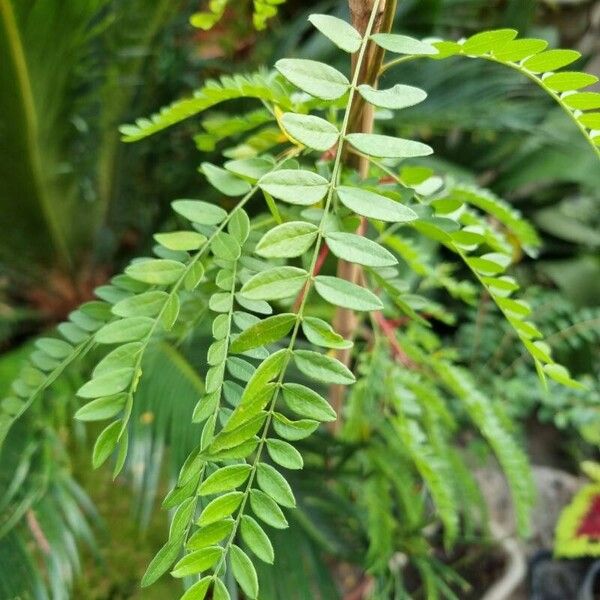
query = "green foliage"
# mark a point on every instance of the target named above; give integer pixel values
(261, 286)
(263, 10)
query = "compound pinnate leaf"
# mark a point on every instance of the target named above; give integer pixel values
(316, 78)
(340, 32)
(311, 131)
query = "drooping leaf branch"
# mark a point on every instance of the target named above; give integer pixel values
(530, 58)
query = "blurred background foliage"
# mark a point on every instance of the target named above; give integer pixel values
(76, 203)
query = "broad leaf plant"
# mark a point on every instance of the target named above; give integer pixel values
(307, 294)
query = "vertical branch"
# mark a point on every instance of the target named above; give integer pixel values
(361, 120)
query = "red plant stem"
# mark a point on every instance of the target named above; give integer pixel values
(389, 330)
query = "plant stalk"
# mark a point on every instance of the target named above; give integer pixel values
(345, 321)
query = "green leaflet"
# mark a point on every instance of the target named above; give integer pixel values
(266, 509)
(198, 590)
(295, 186)
(272, 482)
(163, 560)
(147, 304)
(487, 41)
(359, 249)
(156, 271)
(54, 347)
(320, 333)
(314, 132)
(346, 294)
(244, 571)
(307, 403)
(107, 384)
(275, 284)
(256, 539)
(224, 181)
(385, 146)
(225, 247)
(375, 206)
(397, 97)
(225, 479)
(322, 367)
(284, 454)
(106, 444)
(568, 80)
(197, 561)
(516, 50)
(130, 329)
(287, 240)
(102, 408)
(180, 240)
(293, 430)
(220, 507)
(550, 60)
(220, 591)
(340, 32)
(268, 370)
(402, 44)
(210, 535)
(198, 211)
(265, 332)
(250, 168)
(313, 77)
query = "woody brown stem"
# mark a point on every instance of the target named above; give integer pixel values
(345, 320)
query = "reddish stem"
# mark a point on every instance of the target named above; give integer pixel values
(389, 331)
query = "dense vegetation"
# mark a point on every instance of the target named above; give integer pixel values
(327, 333)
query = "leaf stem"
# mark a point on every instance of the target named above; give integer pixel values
(299, 315)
